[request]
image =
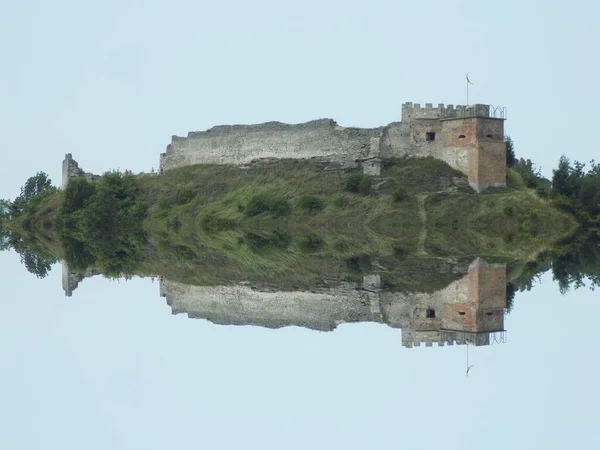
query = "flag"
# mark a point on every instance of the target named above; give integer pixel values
(468, 81)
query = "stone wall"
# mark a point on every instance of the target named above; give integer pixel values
(241, 144)
(465, 137)
(241, 305)
(70, 170)
(466, 311)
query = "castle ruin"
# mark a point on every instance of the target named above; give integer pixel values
(468, 311)
(70, 170)
(468, 138)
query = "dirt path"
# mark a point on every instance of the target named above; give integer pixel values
(423, 232)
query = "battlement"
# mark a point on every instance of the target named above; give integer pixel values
(415, 111)
(451, 337)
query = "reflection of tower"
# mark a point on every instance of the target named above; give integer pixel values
(468, 311)
(478, 318)
(71, 280)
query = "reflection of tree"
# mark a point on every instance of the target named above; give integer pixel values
(578, 264)
(101, 224)
(36, 259)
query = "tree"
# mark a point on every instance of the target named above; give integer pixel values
(511, 158)
(560, 176)
(36, 186)
(5, 209)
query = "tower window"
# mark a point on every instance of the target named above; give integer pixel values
(462, 313)
(430, 135)
(491, 136)
(490, 314)
(462, 136)
(430, 313)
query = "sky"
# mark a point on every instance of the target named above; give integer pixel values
(111, 81)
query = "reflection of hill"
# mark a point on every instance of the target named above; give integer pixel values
(469, 310)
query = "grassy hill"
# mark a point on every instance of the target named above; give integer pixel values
(296, 223)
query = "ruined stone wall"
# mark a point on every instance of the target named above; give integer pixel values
(241, 144)
(70, 170)
(241, 305)
(462, 312)
(428, 131)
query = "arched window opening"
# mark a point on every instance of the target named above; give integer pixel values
(491, 136)
(490, 314)
(462, 313)
(462, 136)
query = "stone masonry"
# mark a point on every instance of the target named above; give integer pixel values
(70, 170)
(468, 138)
(468, 311)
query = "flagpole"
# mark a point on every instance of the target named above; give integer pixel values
(467, 89)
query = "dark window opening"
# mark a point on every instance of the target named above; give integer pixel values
(490, 314)
(462, 136)
(431, 313)
(462, 313)
(491, 136)
(430, 135)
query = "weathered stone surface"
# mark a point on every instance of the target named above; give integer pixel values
(465, 137)
(70, 170)
(468, 310)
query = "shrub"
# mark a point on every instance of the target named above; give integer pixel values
(399, 252)
(359, 183)
(342, 245)
(400, 195)
(214, 224)
(509, 210)
(340, 202)
(353, 182)
(259, 204)
(174, 224)
(77, 192)
(311, 243)
(183, 196)
(164, 202)
(311, 204)
(275, 240)
(364, 187)
(359, 264)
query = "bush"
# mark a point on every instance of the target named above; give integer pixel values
(399, 252)
(353, 182)
(164, 202)
(260, 204)
(174, 224)
(342, 245)
(183, 196)
(214, 224)
(509, 210)
(312, 243)
(359, 264)
(77, 192)
(340, 202)
(365, 185)
(400, 195)
(311, 204)
(359, 183)
(276, 240)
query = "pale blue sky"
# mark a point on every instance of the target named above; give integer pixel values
(111, 81)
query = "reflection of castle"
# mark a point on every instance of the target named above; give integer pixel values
(468, 311)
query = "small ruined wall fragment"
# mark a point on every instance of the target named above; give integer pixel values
(70, 170)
